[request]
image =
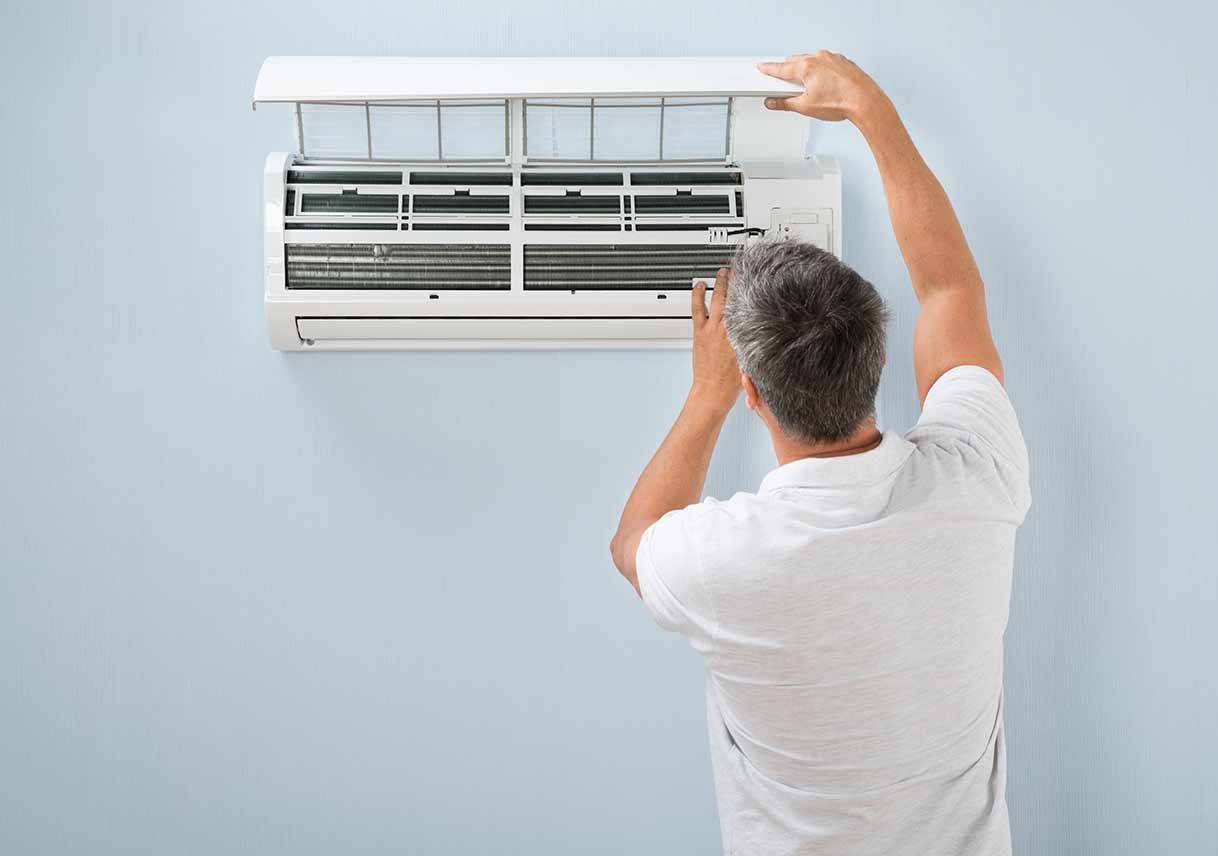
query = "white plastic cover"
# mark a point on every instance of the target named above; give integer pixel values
(353, 78)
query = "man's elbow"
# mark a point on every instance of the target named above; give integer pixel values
(621, 548)
(616, 546)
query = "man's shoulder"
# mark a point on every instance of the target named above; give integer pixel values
(969, 435)
(739, 509)
(714, 527)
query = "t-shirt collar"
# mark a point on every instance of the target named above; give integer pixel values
(862, 469)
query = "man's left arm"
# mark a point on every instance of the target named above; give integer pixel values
(674, 477)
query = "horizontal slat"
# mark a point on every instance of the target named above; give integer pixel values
(517, 328)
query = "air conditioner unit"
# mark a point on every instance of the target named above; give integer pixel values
(523, 203)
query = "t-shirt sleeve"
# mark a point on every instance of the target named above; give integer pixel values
(670, 574)
(969, 405)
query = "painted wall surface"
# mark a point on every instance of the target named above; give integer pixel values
(263, 603)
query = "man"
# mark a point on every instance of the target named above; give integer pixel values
(851, 612)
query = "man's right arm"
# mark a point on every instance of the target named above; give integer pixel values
(952, 328)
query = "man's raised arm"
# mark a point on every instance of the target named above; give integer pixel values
(952, 328)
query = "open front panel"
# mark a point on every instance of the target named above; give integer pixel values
(345, 78)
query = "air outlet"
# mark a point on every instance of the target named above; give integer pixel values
(330, 176)
(464, 225)
(573, 227)
(345, 225)
(462, 178)
(682, 204)
(644, 179)
(559, 267)
(572, 205)
(570, 178)
(461, 204)
(348, 203)
(428, 267)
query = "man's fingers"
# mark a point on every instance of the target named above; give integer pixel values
(791, 103)
(697, 305)
(789, 70)
(720, 296)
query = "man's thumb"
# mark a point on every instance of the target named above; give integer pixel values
(780, 103)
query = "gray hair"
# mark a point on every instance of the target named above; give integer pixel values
(809, 332)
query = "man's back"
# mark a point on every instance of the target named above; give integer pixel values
(851, 615)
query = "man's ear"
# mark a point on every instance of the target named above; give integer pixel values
(751, 398)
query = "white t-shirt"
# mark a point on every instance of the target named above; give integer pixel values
(850, 615)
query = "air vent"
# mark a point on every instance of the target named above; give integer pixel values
(461, 203)
(570, 178)
(342, 224)
(561, 267)
(572, 205)
(331, 176)
(682, 203)
(462, 178)
(413, 267)
(465, 226)
(572, 227)
(348, 203)
(679, 226)
(645, 179)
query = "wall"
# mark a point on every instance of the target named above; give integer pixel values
(263, 603)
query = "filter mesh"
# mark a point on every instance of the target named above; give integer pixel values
(460, 204)
(573, 205)
(348, 203)
(562, 267)
(419, 267)
(682, 204)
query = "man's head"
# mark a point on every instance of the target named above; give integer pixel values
(809, 334)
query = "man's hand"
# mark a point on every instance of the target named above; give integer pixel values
(834, 87)
(952, 328)
(716, 372)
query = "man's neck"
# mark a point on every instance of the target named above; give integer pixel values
(866, 438)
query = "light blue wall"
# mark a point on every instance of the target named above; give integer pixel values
(263, 603)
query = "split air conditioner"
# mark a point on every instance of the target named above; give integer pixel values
(523, 203)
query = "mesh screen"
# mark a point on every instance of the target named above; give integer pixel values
(425, 267)
(560, 267)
